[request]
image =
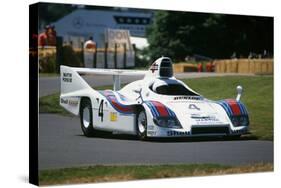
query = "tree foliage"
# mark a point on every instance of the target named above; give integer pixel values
(181, 34)
(51, 12)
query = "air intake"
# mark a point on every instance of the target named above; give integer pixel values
(166, 68)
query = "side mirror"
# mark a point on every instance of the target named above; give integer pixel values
(239, 92)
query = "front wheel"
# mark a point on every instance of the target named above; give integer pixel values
(86, 118)
(141, 125)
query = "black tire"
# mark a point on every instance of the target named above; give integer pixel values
(86, 122)
(141, 131)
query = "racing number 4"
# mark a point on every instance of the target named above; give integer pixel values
(100, 114)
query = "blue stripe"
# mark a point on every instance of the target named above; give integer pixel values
(121, 96)
(226, 107)
(245, 109)
(154, 108)
(226, 110)
(171, 112)
(151, 108)
(153, 113)
(241, 108)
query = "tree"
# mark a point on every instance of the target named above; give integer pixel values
(51, 12)
(181, 34)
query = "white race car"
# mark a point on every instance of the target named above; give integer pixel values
(158, 105)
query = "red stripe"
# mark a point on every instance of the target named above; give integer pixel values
(121, 108)
(112, 98)
(160, 108)
(234, 107)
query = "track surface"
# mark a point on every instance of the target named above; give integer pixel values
(61, 144)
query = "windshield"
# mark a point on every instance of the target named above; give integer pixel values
(174, 89)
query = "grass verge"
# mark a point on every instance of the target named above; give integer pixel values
(48, 74)
(257, 96)
(94, 174)
(50, 104)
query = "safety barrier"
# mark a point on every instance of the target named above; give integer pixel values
(185, 67)
(255, 66)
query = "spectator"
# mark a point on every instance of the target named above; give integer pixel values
(51, 36)
(48, 37)
(89, 50)
(90, 44)
(42, 38)
(200, 67)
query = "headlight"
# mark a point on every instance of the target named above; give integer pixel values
(240, 121)
(167, 122)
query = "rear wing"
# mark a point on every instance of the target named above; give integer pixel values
(72, 81)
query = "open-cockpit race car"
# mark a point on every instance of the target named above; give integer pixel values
(159, 105)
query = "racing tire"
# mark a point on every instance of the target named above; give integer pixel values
(86, 117)
(141, 124)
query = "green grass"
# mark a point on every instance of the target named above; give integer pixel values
(122, 173)
(50, 104)
(257, 96)
(48, 74)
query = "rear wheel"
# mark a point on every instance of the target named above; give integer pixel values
(86, 117)
(141, 125)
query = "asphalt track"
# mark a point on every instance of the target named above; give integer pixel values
(61, 145)
(50, 85)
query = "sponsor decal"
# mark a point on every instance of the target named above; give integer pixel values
(193, 106)
(205, 120)
(69, 102)
(113, 116)
(63, 101)
(188, 98)
(177, 133)
(67, 77)
(73, 102)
